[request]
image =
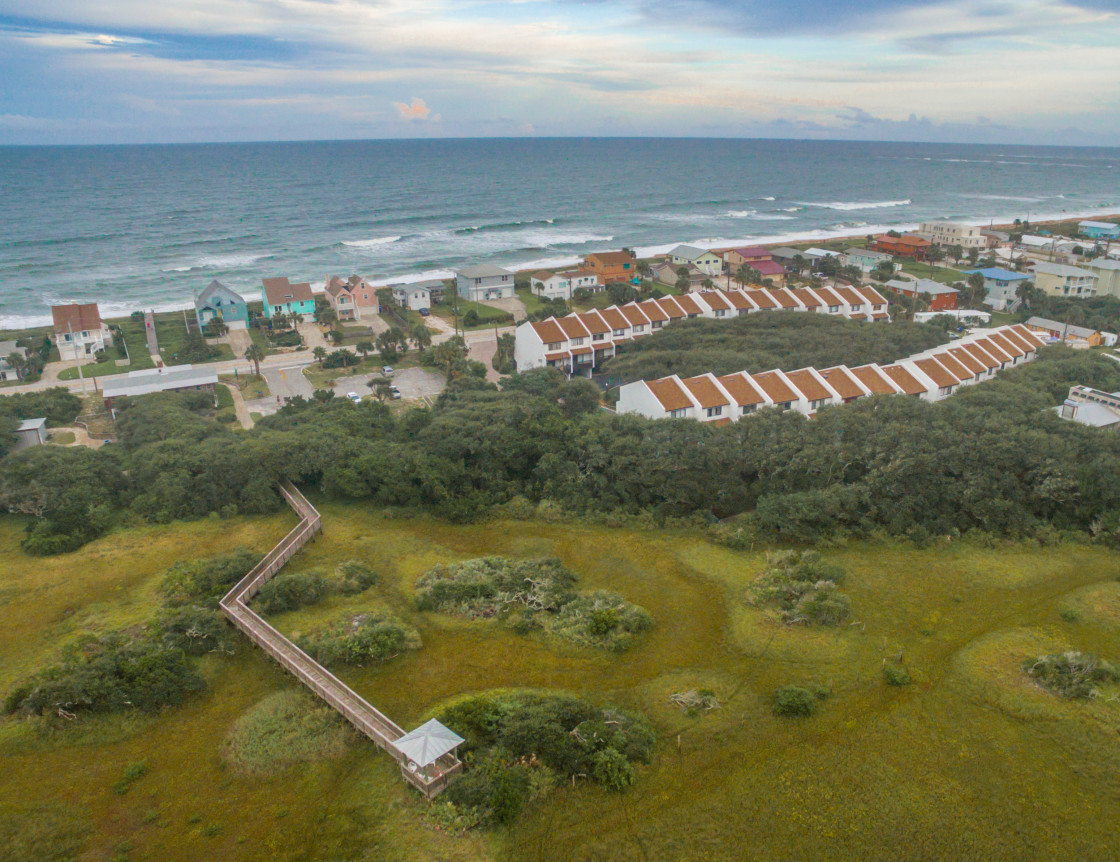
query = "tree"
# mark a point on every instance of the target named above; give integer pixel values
(382, 388)
(320, 353)
(365, 348)
(743, 275)
(17, 360)
(933, 255)
(977, 291)
(254, 354)
(883, 270)
(421, 337)
(707, 284)
(956, 252)
(215, 327)
(973, 256)
(387, 346)
(643, 268)
(279, 320)
(799, 263)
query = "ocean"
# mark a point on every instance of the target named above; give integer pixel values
(137, 227)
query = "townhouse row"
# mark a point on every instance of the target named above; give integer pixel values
(931, 376)
(580, 342)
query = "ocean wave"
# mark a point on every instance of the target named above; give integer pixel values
(217, 262)
(370, 243)
(767, 198)
(858, 205)
(504, 226)
(1024, 199)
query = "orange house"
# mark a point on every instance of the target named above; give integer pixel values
(906, 245)
(610, 266)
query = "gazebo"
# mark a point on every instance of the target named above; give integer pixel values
(427, 758)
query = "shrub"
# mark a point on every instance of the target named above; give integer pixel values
(792, 700)
(205, 580)
(601, 619)
(1072, 674)
(285, 728)
(895, 675)
(132, 773)
(361, 640)
(195, 630)
(613, 770)
(802, 588)
(227, 415)
(290, 590)
(354, 577)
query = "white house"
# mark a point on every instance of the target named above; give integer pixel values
(79, 330)
(1058, 279)
(945, 233)
(865, 259)
(1002, 286)
(1091, 407)
(706, 261)
(413, 296)
(484, 281)
(561, 285)
(7, 371)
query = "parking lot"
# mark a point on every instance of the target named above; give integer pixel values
(415, 384)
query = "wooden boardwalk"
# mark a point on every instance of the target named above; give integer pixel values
(365, 717)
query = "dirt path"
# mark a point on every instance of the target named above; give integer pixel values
(240, 407)
(81, 436)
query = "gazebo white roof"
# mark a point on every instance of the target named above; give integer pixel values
(428, 743)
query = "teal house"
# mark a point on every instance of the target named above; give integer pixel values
(1099, 229)
(281, 295)
(217, 300)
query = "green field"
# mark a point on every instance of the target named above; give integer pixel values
(971, 761)
(920, 269)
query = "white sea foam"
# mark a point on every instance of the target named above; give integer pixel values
(857, 205)
(370, 243)
(217, 262)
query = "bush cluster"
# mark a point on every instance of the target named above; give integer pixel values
(289, 591)
(372, 638)
(795, 701)
(532, 594)
(520, 744)
(285, 728)
(802, 588)
(1073, 675)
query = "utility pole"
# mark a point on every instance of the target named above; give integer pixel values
(77, 360)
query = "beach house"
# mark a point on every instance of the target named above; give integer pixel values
(749, 255)
(561, 285)
(1059, 279)
(350, 297)
(1099, 229)
(415, 296)
(1055, 330)
(7, 370)
(172, 378)
(947, 233)
(1002, 286)
(708, 262)
(865, 259)
(610, 266)
(484, 281)
(217, 300)
(79, 330)
(1107, 272)
(907, 245)
(940, 297)
(281, 296)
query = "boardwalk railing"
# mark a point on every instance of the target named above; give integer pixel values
(365, 717)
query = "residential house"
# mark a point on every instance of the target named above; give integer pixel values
(907, 245)
(542, 343)
(353, 297)
(787, 256)
(816, 255)
(1002, 286)
(706, 261)
(865, 259)
(217, 300)
(946, 233)
(1091, 407)
(415, 297)
(562, 285)
(281, 296)
(8, 371)
(1059, 279)
(1107, 272)
(483, 282)
(1099, 229)
(749, 255)
(845, 384)
(769, 270)
(79, 330)
(610, 266)
(995, 238)
(668, 272)
(1056, 331)
(877, 305)
(30, 432)
(941, 297)
(436, 287)
(172, 378)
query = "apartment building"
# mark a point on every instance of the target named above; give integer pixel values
(1059, 279)
(946, 233)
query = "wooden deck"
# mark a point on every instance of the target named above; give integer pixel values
(365, 717)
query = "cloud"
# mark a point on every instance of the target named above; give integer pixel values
(417, 111)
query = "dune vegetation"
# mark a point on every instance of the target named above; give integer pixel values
(974, 758)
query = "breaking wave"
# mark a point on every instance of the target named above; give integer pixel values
(858, 205)
(370, 243)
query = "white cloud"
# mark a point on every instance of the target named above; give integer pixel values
(417, 110)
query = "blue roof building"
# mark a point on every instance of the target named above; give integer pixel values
(1099, 229)
(1001, 285)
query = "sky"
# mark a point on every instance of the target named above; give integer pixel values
(140, 71)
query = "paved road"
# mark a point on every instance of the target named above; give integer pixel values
(288, 381)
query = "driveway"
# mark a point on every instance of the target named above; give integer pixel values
(238, 341)
(483, 351)
(415, 384)
(513, 305)
(287, 382)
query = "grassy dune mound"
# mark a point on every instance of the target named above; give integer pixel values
(285, 728)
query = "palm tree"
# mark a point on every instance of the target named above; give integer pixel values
(742, 275)
(254, 354)
(643, 269)
(421, 336)
(707, 284)
(18, 361)
(320, 353)
(365, 348)
(933, 255)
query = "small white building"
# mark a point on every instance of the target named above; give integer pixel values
(946, 233)
(415, 296)
(8, 371)
(31, 432)
(484, 281)
(79, 330)
(562, 285)
(1091, 407)
(706, 261)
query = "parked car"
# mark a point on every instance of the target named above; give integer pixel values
(395, 392)
(387, 370)
(424, 312)
(355, 397)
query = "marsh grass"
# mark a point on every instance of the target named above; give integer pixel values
(283, 729)
(965, 763)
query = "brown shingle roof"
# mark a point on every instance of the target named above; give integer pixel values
(830, 298)
(872, 295)
(1028, 336)
(549, 331)
(994, 349)
(761, 298)
(804, 380)
(955, 368)
(689, 304)
(870, 377)
(1005, 344)
(936, 372)
(615, 318)
(669, 393)
(784, 297)
(850, 296)
(610, 258)
(572, 327)
(740, 387)
(773, 385)
(843, 381)
(968, 360)
(906, 381)
(981, 355)
(705, 391)
(738, 299)
(716, 300)
(76, 316)
(1011, 335)
(593, 323)
(633, 312)
(807, 297)
(652, 310)
(280, 291)
(541, 275)
(670, 307)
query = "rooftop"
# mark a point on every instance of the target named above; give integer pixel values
(482, 270)
(1062, 270)
(995, 273)
(76, 317)
(157, 380)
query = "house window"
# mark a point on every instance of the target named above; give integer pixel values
(555, 346)
(785, 405)
(578, 341)
(820, 402)
(678, 414)
(749, 408)
(713, 411)
(720, 312)
(833, 309)
(657, 324)
(598, 336)
(619, 332)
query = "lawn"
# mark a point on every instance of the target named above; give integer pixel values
(920, 269)
(251, 387)
(963, 764)
(531, 301)
(487, 316)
